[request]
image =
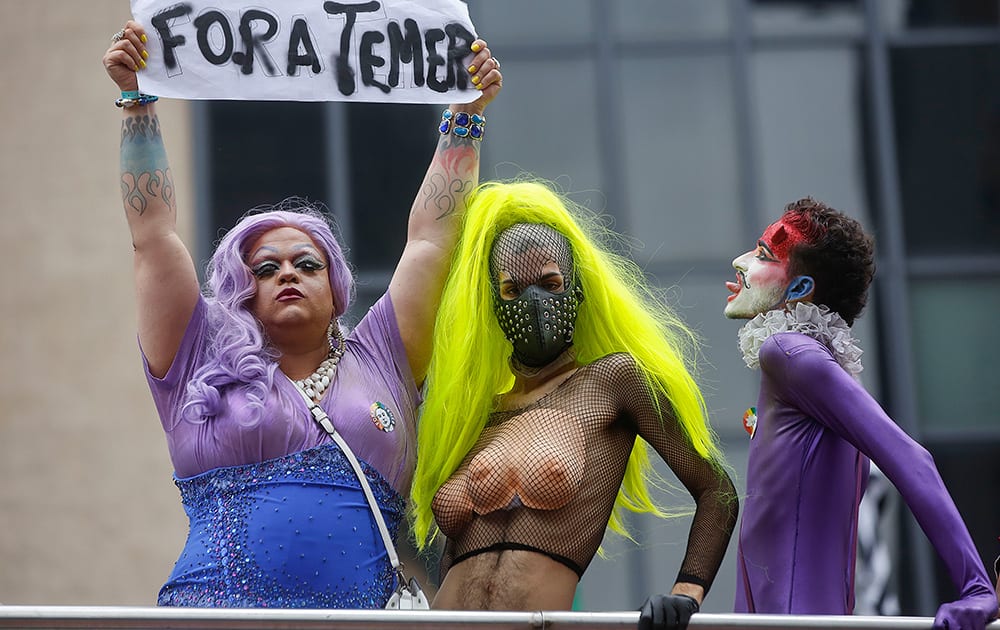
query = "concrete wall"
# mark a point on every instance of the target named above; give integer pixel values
(88, 512)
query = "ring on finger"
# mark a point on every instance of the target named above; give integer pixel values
(496, 62)
(117, 37)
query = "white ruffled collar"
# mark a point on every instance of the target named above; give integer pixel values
(816, 321)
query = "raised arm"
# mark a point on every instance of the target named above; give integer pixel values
(435, 221)
(165, 280)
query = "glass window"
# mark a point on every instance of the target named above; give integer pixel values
(503, 24)
(806, 17)
(971, 470)
(680, 170)
(546, 126)
(915, 14)
(389, 148)
(865, 331)
(955, 341)
(677, 19)
(263, 152)
(946, 102)
(260, 153)
(807, 107)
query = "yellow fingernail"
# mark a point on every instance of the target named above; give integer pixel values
(476, 79)
(476, 47)
(136, 68)
(145, 55)
(479, 87)
(472, 69)
(142, 63)
(142, 38)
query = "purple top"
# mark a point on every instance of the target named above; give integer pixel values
(373, 377)
(808, 462)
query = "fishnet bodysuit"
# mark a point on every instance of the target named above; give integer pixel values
(545, 477)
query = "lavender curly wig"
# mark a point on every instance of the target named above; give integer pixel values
(239, 351)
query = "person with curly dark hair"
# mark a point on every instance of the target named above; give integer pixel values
(815, 429)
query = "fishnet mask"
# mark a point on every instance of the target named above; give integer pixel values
(539, 321)
(545, 477)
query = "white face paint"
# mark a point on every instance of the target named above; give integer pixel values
(761, 282)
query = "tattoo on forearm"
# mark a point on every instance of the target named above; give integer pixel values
(443, 194)
(135, 127)
(145, 172)
(453, 175)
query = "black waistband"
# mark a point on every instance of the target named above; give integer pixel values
(512, 546)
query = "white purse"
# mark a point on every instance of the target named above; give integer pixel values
(408, 594)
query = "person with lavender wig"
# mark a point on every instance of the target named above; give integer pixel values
(815, 429)
(277, 515)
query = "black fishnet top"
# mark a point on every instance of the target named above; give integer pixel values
(545, 477)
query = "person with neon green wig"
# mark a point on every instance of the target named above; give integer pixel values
(551, 356)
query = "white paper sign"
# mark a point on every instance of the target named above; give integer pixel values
(388, 51)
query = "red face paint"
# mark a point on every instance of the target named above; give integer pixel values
(780, 238)
(762, 274)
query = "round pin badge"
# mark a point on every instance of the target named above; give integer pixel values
(382, 417)
(750, 421)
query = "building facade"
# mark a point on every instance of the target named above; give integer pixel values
(690, 123)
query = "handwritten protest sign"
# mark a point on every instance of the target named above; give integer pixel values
(389, 51)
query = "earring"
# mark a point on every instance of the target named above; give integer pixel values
(335, 337)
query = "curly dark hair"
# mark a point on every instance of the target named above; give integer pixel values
(836, 252)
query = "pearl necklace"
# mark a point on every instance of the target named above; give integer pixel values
(316, 383)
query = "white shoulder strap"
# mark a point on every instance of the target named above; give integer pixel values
(324, 421)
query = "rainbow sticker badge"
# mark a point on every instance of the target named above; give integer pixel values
(750, 421)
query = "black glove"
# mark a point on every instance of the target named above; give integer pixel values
(667, 612)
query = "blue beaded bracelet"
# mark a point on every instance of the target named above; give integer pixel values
(139, 99)
(462, 124)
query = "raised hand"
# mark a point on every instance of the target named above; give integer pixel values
(126, 56)
(485, 72)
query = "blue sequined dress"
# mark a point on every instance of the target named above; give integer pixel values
(271, 534)
(277, 516)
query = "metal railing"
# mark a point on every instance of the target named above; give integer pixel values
(156, 618)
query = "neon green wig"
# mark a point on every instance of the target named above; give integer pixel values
(469, 367)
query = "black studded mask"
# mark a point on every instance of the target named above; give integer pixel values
(535, 291)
